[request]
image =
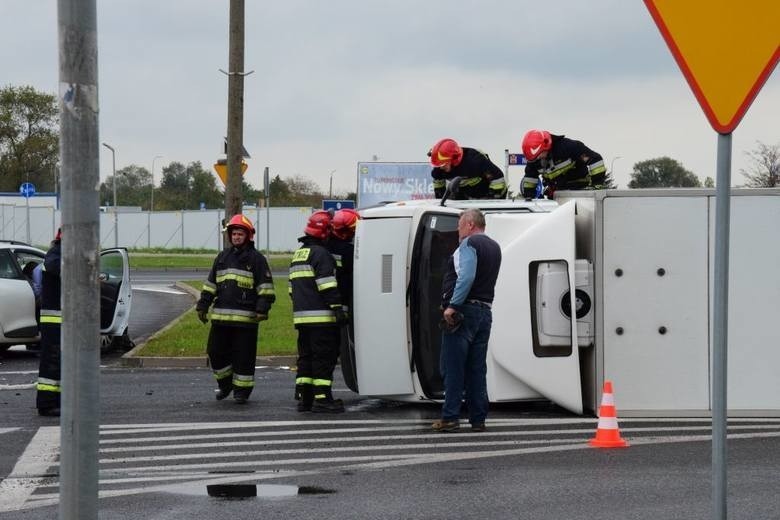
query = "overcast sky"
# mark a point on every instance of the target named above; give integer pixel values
(341, 81)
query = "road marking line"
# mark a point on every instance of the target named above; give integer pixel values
(332, 434)
(149, 443)
(8, 430)
(152, 288)
(25, 386)
(30, 470)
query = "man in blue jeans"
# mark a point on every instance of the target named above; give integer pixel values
(467, 296)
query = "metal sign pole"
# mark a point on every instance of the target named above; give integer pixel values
(720, 327)
(27, 203)
(80, 336)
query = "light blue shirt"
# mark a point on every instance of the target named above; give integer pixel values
(465, 261)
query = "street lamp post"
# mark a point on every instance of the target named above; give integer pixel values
(113, 169)
(330, 190)
(151, 208)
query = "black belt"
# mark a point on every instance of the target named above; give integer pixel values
(480, 302)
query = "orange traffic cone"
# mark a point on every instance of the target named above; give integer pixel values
(607, 433)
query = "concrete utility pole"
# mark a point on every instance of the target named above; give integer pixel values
(80, 337)
(235, 120)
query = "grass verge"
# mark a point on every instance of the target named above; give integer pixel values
(188, 337)
(277, 262)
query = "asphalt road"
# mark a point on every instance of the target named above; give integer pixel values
(164, 440)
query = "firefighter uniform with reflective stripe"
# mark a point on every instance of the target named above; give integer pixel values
(48, 385)
(481, 179)
(241, 289)
(317, 311)
(569, 165)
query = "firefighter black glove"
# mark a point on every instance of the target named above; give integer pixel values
(528, 187)
(262, 316)
(203, 315)
(342, 318)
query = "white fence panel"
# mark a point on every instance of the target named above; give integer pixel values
(278, 229)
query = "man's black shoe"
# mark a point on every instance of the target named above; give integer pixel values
(49, 412)
(240, 398)
(327, 406)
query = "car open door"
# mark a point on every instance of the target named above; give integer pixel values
(380, 307)
(529, 244)
(115, 292)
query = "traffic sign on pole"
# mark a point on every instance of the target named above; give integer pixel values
(336, 205)
(726, 50)
(27, 189)
(221, 168)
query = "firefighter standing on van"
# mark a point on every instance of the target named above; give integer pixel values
(479, 177)
(242, 291)
(47, 398)
(318, 314)
(563, 163)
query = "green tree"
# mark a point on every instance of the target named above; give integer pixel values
(764, 170)
(662, 172)
(185, 187)
(251, 195)
(709, 182)
(29, 138)
(133, 187)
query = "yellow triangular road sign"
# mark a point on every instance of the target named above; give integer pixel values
(726, 49)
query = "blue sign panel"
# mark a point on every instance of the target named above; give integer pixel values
(336, 205)
(516, 159)
(27, 189)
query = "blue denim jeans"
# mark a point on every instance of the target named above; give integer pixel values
(463, 365)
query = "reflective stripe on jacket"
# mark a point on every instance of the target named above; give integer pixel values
(312, 285)
(239, 285)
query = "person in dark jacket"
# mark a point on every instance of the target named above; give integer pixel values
(48, 388)
(563, 163)
(318, 315)
(241, 289)
(468, 288)
(479, 178)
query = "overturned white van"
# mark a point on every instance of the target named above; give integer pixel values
(634, 267)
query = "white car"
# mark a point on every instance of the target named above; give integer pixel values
(18, 325)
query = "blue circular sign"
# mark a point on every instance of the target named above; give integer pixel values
(27, 189)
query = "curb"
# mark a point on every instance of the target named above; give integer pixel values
(199, 362)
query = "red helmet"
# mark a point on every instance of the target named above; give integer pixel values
(535, 142)
(446, 151)
(318, 225)
(344, 223)
(244, 223)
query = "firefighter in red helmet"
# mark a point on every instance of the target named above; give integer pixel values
(318, 314)
(241, 289)
(479, 177)
(563, 163)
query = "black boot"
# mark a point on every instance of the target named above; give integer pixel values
(324, 402)
(223, 391)
(240, 395)
(298, 391)
(306, 393)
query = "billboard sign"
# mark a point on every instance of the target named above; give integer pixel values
(380, 182)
